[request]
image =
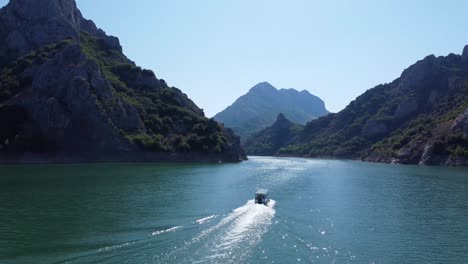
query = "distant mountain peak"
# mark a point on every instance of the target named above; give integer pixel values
(263, 87)
(282, 121)
(281, 117)
(269, 140)
(259, 108)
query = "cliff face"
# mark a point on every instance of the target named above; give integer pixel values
(420, 118)
(259, 108)
(28, 25)
(66, 88)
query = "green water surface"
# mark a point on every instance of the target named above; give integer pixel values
(322, 211)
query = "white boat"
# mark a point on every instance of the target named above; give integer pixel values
(261, 196)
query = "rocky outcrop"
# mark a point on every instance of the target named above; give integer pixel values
(67, 90)
(67, 101)
(34, 23)
(426, 158)
(419, 118)
(235, 150)
(419, 73)
(461, 123)
(465, 54)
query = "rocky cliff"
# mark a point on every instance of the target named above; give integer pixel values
(419, 118)
(67, 90)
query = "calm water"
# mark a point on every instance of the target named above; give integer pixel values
(324, 212)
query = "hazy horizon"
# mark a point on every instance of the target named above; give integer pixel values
(215, 52)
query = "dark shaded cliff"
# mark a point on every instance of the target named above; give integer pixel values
(67, 90)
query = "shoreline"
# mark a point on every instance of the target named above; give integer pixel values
(119, 157)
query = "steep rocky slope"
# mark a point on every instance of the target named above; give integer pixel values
(259, 108)
(68, 92)
(421, 117)
(268, 141)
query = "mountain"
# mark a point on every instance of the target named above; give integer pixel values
(268, 141)
(419, 118)
(68, 93)
(259, 108)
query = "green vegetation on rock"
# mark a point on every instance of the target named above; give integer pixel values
(81, 96)
(172, 122)
(13, 77)
(411, 120)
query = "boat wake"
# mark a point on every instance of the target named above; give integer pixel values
(203, 220)
(232, 239)
(241, 230)
(172, 229)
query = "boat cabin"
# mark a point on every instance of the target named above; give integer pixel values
(261, 196)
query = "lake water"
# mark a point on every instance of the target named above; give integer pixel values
(324, 211)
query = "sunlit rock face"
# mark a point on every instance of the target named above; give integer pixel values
(33, 23)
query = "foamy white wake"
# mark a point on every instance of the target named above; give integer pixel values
(246, 225)
(166, 230)
(236, 234)
(232, 239)
(203, 220)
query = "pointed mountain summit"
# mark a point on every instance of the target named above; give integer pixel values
(68, 93)
(263, 87)
(268, 141)
(259, 108)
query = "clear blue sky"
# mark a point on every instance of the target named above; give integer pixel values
(216, 50)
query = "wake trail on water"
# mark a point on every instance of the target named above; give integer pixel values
(233, 237)
(228, 241)
(205, 219)
(246, 224)
(166, 230)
